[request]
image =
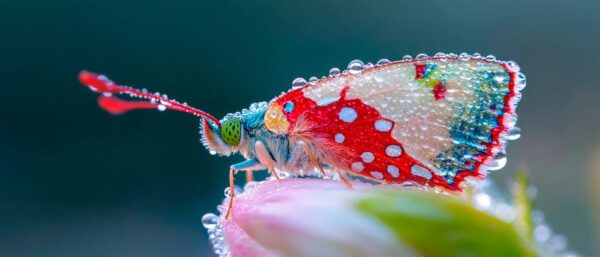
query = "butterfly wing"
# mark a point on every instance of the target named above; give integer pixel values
(430, 121)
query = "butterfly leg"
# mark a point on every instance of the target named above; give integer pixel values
(311, 156)
(265, 158)
(231, 192)
(248, 166)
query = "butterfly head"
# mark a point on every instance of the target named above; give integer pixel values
(223, 140)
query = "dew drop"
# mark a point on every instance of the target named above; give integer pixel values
(355, 66)
(313, 80)
(542, 233)
(161, 107)
(210, 220)
(334, 72)
(521, 81)
(513, 66)
(383, 62)
(497, 163)
(407, 58)
(421, 56)
(298, 83)
(476, 56)
(514, 134)
(464, 56)
(483, 201)
(490, 58)
(227, 191)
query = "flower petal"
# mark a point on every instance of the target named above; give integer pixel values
(311, 217)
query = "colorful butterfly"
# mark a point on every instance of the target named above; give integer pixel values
(432, 121)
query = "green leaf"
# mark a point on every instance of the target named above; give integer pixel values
(523, 205)
(440, 225)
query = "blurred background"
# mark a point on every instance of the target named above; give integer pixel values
(76, 181)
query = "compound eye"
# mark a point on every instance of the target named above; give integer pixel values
(288, 107)
(231, 132)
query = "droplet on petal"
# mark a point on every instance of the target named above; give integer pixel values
(210, 220)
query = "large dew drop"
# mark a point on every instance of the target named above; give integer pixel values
(521, 81)
(210, 220)
(355, 66)
(497, 163)
(334, 72)
(421, 56)
(298, 83)
(514, 134)
(383, 62)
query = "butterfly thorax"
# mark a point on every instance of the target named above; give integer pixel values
(286, 153)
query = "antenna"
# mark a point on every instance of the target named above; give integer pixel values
(114, 105)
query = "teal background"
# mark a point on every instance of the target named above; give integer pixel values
(76, 181)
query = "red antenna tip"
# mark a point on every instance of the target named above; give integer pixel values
(95, 82)
(101, 84)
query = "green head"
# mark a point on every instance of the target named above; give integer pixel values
(224, 139)
(231, 131)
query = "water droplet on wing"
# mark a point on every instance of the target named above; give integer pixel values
(334, 72)
(298, 83)
(355, 66)
(514, 134)
(383, 62)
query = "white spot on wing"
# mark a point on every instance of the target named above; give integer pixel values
(393, 150)
(377, 174)
(348, 114)
(393, 171)
(327, 101)
(383, 125)
(420, 171)
(367, 157)
(357, 166)
(339, 138)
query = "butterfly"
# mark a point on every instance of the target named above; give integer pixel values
(436, 121)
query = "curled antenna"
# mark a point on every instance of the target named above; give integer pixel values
(108, 102)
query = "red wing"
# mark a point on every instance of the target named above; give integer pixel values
(429, 121)
(354, 137)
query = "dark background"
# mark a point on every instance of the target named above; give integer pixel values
(76, 181)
